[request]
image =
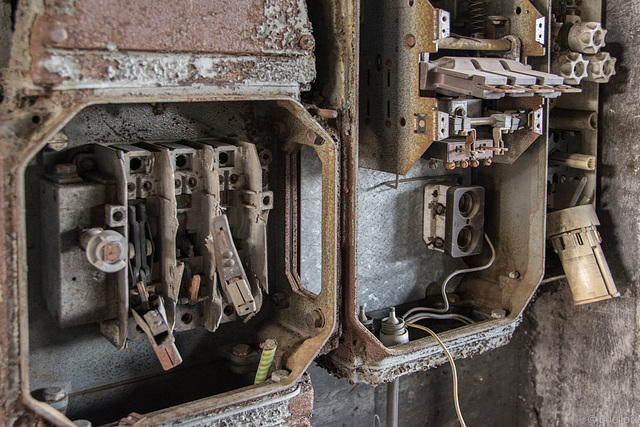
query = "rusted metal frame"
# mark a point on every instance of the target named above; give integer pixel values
(195, 413)
(417, 354)
(82, 36)
(474, 44)
(20, 151)
(361, 352)
(424, 356)
(327, 150)
(523, 26)
(292, 221)
(15, 280)
(402, 141)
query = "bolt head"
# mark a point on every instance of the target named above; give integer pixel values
(64, 169)
(498, 314)
(241, 350)
(315, 319)
(57, 35)
(279, 375)
(515, 274)
(54, 394)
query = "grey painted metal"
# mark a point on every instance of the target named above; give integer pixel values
(393, 395)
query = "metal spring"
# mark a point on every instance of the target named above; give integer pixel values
(477, 17)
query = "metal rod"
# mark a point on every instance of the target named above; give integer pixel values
(393, 392)
(456, 43)
(482, 121)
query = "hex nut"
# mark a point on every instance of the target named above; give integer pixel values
(280, 300)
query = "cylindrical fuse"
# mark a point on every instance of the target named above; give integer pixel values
(575, 239)
(573, 160)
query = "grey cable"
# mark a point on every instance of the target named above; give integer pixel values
(421, 316)
(449, 277)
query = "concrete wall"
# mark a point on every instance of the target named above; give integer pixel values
(566, 365)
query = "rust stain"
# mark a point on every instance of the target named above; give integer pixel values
(195, 26)
(388, 138)
(523, 25)
(302, 405)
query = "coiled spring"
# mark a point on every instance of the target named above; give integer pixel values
(477, 17)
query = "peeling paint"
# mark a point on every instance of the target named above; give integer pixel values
(62, 67)
(362, 370)
(285, 22)
(129, 69)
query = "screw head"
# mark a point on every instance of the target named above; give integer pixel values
(515, 274)
(307, 42)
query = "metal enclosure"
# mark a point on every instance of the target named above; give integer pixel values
(210, 112)
(265, 170)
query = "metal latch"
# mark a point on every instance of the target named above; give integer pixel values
(232, 276)
(154, 323)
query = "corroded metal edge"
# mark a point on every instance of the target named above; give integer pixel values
(361, 357)
(428, 355)
(23, 136)
(394, 138)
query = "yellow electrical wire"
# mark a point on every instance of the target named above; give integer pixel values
(268, 351)
(453, 369)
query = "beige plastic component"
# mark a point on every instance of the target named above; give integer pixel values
(571, 66)
(575, 239)
(586, 37)
(601, 67)
(573, 160)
